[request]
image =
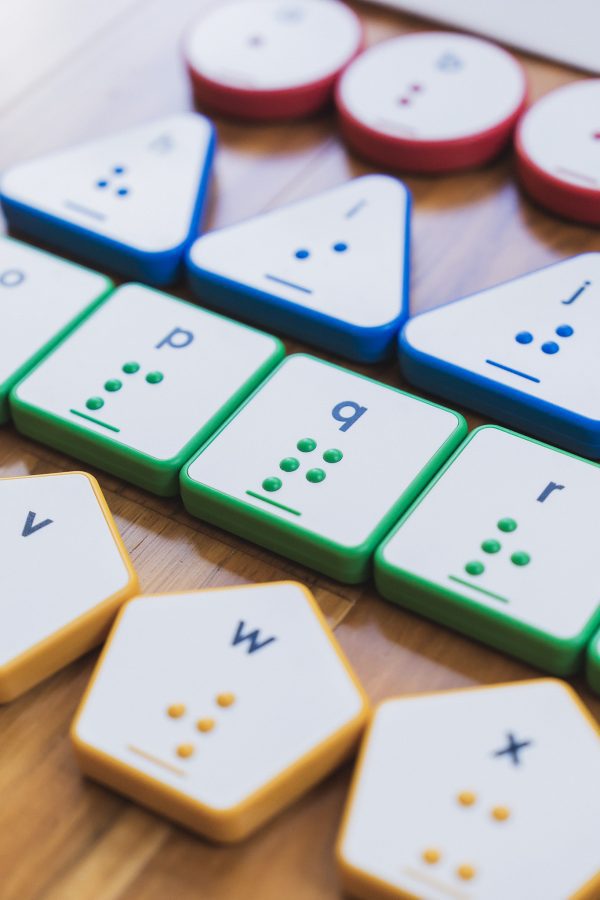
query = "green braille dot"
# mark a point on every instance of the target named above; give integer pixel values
(130, 368)
(332, 456)
(271, 484)
(491, 546)
(507, 525)
(474, 568)
(154, 377)
(306, 445)
(95, 403)
(520, 558)
(315, 475)
(113, 384)
(289, 464)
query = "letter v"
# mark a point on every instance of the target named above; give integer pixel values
(29, 527)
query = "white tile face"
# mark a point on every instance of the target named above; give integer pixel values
(40, 295)
(385, 438)
(340, 253)
(59, 558)
(551, 496)
(204, 360)
(137, 188)
(500, 334)
(423, 752)
(252, 642)
(273, 44)
(433, 87)
(561, 134)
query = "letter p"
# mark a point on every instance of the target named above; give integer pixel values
(178, 339)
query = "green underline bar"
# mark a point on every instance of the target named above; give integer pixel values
(294, 512)
(481, 590)
(95, 421)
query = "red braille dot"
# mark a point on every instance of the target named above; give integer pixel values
(416, 88)
(403, 101)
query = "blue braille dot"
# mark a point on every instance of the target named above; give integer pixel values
(301, 254)
(550, 347)
(122, 192)
(340, 247)
(564, 331)
(524, 337)
(118, 170)
(102, 183)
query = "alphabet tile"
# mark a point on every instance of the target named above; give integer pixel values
(319, 464)
(138, 387)
(489, 792)
(204, 707)
(42, 298)
(503, 546)
(130, 202)
(64, 574)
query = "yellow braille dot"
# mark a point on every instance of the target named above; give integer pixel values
(205, 724)
(466, 872)
(467, 798)
(225, 699)
(185, 750)
(176, 710)
(431, 855)
(501, 813)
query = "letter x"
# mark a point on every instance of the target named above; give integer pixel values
(513, 748)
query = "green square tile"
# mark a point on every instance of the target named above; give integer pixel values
(503, 547)
(319, 463)
(141, 384)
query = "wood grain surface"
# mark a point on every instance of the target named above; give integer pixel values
(76, 69)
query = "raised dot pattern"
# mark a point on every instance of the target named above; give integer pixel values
(492, 545)
(548, 347)
(289, 464)
(204, 725)
(112, 385)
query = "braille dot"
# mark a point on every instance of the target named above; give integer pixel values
(501, 813)
(520, 558)
(466, 872)
(130, 368)
(475, 568)
(596, 135)
(113, 384)
(340, 247)
(491, 546)
(550, 347)
(185, 751)
(416, 88)
(564, 331)
(431, 856)
(524, 337)
(122, 192)
(176, 710)
(467, 798)
(315, 476)
(95, 403)
(226, 699)
(154, 377)
(332, 456)
(271, 484)
(507, 525)
(306, 445)
(289, 464)
(102, 183)
(403, 101)
(205, 725)
(302, 254)
(118, 170)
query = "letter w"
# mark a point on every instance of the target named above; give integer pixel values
(252, 637)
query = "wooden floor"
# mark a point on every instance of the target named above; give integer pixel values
(76, 69)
